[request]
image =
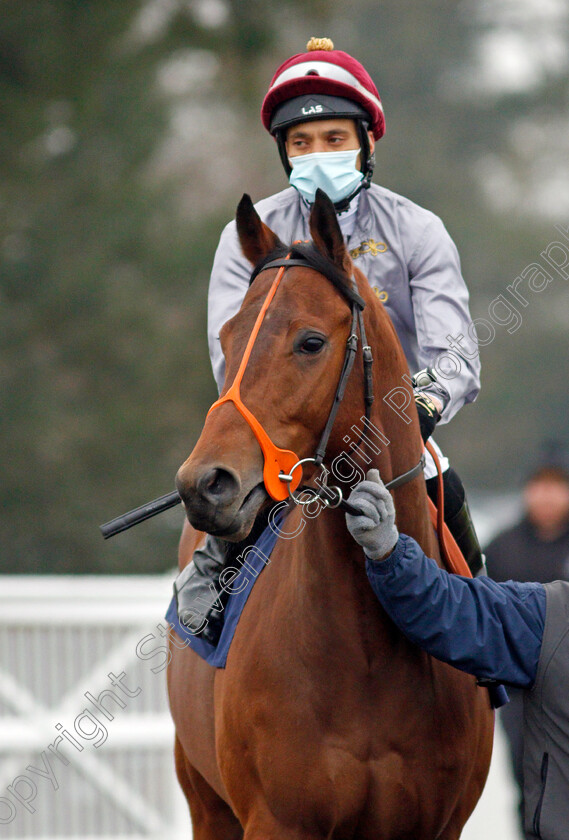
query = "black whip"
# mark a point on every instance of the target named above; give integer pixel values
(140, 514)
(170, 500)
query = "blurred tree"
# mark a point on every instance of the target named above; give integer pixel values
(89, 297)
(119, 168)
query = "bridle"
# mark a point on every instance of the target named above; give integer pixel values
(280, 465)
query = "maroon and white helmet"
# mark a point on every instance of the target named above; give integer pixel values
(322, 70)
(324, 83)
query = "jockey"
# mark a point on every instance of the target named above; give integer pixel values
(325, 114)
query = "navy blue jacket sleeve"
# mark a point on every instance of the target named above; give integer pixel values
(492, 630)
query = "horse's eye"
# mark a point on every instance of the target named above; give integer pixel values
(312, 344)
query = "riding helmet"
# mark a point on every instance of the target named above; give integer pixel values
(320, 84)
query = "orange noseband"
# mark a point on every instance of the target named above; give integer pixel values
(277, 460)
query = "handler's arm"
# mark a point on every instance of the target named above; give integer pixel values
(492, 630)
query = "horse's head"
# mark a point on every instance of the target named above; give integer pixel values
(282, 370)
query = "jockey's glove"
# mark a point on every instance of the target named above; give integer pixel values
(428, 412)
(375, 528)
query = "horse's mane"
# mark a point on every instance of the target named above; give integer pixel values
(308, 253)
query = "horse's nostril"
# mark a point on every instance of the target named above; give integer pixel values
(219, 485)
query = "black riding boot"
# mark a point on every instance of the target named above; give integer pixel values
(199, 598)
(459, 520)
(462, 529)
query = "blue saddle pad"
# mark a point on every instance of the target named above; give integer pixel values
(252, 561)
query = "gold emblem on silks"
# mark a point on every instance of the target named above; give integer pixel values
(369, 246)
(381, 294)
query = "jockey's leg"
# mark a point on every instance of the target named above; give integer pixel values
(457, 512)
(199, 597)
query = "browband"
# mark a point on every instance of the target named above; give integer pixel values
(287, 263)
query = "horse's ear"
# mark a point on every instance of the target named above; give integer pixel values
(326, 233)
(257, 240)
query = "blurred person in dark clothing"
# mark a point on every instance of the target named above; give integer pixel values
(536, 548)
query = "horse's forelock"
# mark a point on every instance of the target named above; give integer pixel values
(324, 265)
(277, 254)
(314, 259)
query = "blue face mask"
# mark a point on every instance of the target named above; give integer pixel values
(333, 172)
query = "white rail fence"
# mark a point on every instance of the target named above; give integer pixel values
(85, 733)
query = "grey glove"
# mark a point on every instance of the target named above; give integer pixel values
(375, 529)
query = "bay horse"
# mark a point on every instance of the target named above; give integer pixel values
(326, 722)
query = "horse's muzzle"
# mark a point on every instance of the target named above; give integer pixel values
(219, 487)
(216, 501)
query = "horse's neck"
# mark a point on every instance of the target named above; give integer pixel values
(411, 505)
(413, 517)
(325, 560)
(328, 596)
(405, 447)
(328, 580)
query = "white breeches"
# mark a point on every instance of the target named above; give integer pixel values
(430, 468)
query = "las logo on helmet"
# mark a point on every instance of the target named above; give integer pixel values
(312, 109)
